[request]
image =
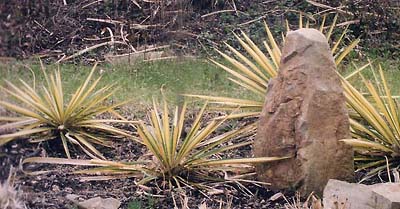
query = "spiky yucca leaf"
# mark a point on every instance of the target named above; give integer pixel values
(254, 71)
(46, 115)
(376, 130)
(178, 156)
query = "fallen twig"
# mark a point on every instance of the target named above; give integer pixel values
(138, 52)
(105, 20)
(143, 27)
(327, 7)
(160, 58)
(254, 20)
(87, 5)
(83, 51)
(112, 37)
(137, 4)
(41, 26)
(348, 23)
(218, 12)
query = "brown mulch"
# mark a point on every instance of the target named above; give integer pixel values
(50, 190)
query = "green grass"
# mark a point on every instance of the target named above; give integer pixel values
(139, 82)
(149, 203)
(391, 68)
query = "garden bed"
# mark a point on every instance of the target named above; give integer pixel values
(50, 190)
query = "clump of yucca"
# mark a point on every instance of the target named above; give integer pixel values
(178, 158)
(47, 114)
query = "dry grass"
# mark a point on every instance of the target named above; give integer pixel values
(312, 202)
(10, 196)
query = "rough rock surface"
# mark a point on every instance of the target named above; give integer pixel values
(96, 202)
(305, 116)
(387, 194)
(339, 194)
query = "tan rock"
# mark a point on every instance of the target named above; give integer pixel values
(305, 116)
(100, 203)
(340, 194)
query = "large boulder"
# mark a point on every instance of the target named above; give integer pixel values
(304, 117)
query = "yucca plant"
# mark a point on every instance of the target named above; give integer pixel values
(181, 158)
(46, 115)
(375, 127)
(194, 153)
(254, 70)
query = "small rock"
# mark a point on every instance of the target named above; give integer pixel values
(275, 196)
(100, 203)
(55, 188)
(388, 194)
(72, 197)
(340, 194)
(68, 190)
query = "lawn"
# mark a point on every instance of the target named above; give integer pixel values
(391, 68)
(138, 82)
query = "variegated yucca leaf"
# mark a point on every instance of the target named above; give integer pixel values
(45, 114)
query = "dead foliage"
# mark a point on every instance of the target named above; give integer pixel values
(94, 29)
